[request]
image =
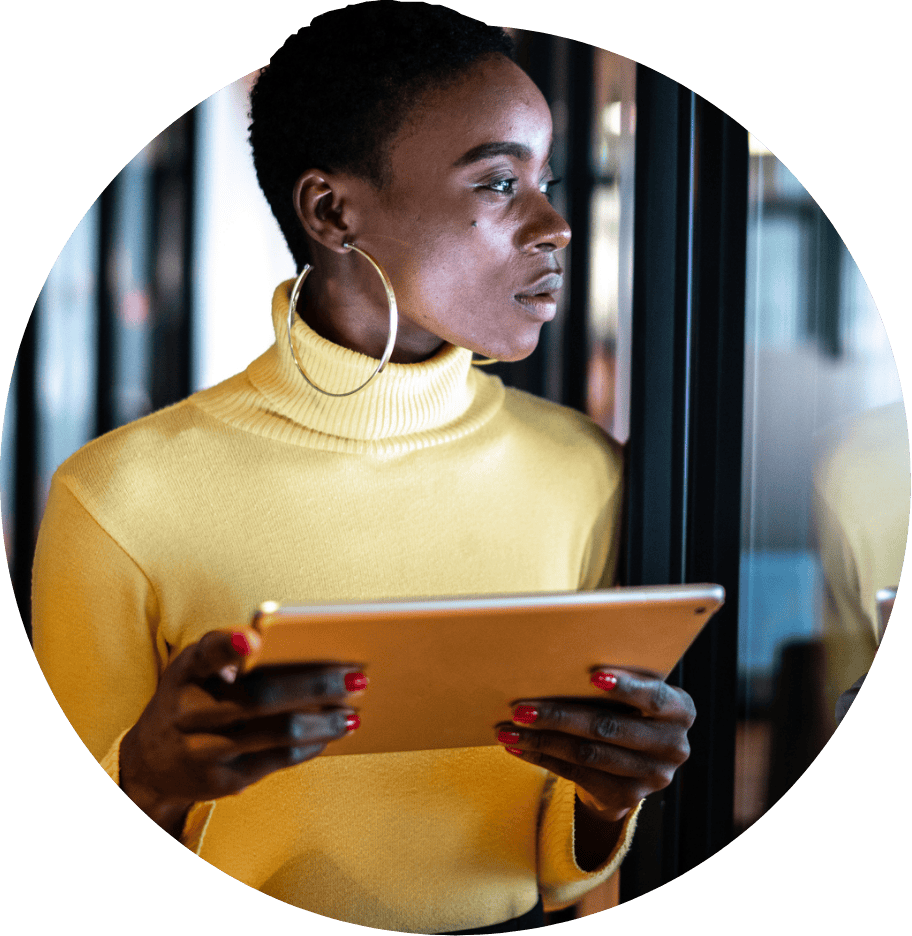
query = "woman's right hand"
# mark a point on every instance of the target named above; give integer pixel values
(208, 733)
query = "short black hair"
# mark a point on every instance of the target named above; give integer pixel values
(337, 91)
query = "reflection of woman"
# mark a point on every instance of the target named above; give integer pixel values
(406, 134)
(861, 517)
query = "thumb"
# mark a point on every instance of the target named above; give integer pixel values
(222, 653)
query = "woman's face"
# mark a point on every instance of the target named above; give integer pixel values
(464, 226)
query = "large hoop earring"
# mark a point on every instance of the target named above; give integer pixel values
(393, 322)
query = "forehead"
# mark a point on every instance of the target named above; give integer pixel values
(495, 101)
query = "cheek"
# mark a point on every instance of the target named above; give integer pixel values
(438, 261)
(458, 266)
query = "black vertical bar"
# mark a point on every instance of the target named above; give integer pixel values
(656, 493)
(173, 193)
(685, 437)
(575, 334)
(25, 471)
(105, 402)
(189, 191)
(709, 671)
(826, 324)
(660, 320)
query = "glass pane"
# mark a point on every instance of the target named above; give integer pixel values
(235, 232)
(825, 463)
(130, 289)
(611, 240)
(66, 339)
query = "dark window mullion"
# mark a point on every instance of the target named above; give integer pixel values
(713, 544)
(105, 391)
(656, 496)
(173, 188)
(659, 326)
(685, 437)
(25, 473)
(825, 300)
(580, 186)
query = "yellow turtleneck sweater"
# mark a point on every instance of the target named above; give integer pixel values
(434, 480)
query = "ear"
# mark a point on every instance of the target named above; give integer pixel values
(320, 204)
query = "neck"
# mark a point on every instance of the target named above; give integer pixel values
(355, 315)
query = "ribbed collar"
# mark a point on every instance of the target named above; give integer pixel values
(407, 405)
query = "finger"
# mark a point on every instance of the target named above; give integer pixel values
(267, 691)
(274, 690)
(286, 688)
(653, 697)
(215, 651)
(296, 729)
(595, 721)
(617, 795)
(593, 755)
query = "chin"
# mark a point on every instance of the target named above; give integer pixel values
(515, 352)
(512, 357)
(509, 348)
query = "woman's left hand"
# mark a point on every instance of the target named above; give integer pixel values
(616, 751)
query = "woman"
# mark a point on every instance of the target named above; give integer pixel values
(403, 135)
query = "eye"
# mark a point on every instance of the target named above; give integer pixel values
(501, 186)
(547, 188)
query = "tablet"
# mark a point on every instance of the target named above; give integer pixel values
(444, 671)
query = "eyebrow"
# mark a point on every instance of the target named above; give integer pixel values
(489, 150)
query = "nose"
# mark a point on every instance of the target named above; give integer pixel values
(546, 229)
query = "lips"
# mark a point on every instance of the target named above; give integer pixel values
(540, 298)
(544, 287)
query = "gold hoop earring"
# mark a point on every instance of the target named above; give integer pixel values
(393, 322)
(484, 362)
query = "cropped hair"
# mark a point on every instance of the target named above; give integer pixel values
(333, 97)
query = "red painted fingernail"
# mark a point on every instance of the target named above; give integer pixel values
(508, 737)
(606, 681)
(525, 714)
(352, 723)
(240, 643)
(355, 682)
(513, 750)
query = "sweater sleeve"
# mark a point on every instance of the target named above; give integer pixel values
(95, 632)
(561, 881)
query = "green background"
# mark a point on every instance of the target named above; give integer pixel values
(88, 84)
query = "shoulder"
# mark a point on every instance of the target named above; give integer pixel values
(562, 432)
(865, 454)
(137, 461)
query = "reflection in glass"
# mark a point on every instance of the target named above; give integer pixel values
(817, 357)
(66, 339)
(129, 288)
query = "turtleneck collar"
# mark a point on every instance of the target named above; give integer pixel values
(407, 406)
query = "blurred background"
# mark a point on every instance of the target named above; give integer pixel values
(712, 318)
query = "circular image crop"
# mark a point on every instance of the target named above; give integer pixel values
(377, 455)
